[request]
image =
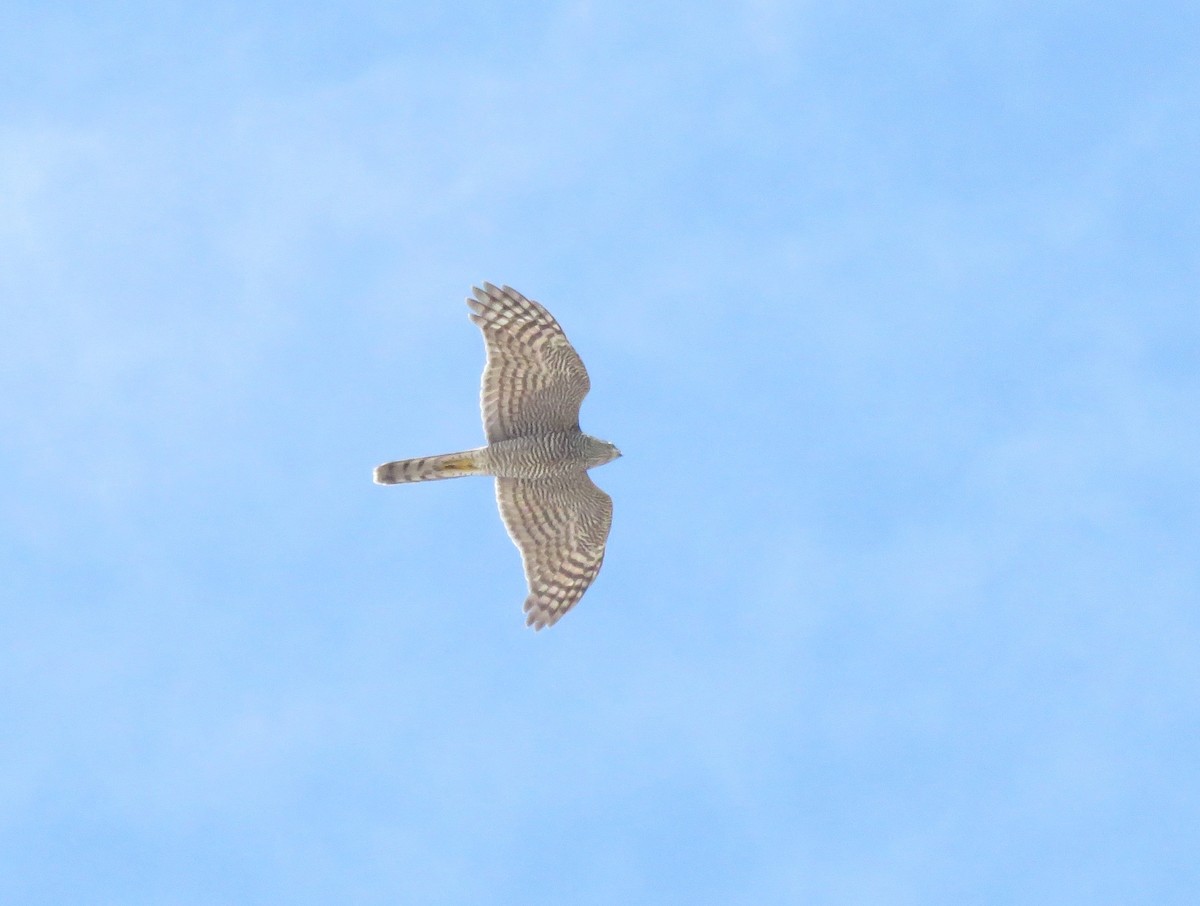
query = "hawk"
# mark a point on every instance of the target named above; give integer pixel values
(533, 385)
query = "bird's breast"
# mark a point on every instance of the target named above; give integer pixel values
(537, 456)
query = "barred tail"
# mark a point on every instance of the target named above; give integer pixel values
(431, 468)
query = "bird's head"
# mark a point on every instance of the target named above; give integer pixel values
(600, 451)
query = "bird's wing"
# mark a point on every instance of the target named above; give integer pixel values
(560, 526)
(534, 381)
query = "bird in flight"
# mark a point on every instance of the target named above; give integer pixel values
(533, 385)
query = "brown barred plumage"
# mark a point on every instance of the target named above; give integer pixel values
(533, 385)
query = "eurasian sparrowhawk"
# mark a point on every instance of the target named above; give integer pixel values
(533, 384)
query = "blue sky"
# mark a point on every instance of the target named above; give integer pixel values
(892, 308)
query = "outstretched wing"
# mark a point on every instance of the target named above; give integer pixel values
(534, 381)
(560, 526)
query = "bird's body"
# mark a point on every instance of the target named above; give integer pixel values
(533, 384)
(533, 458)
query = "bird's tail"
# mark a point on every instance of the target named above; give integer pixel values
(431, 468)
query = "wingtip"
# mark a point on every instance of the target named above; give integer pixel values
(535, 619)
(481, 295)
